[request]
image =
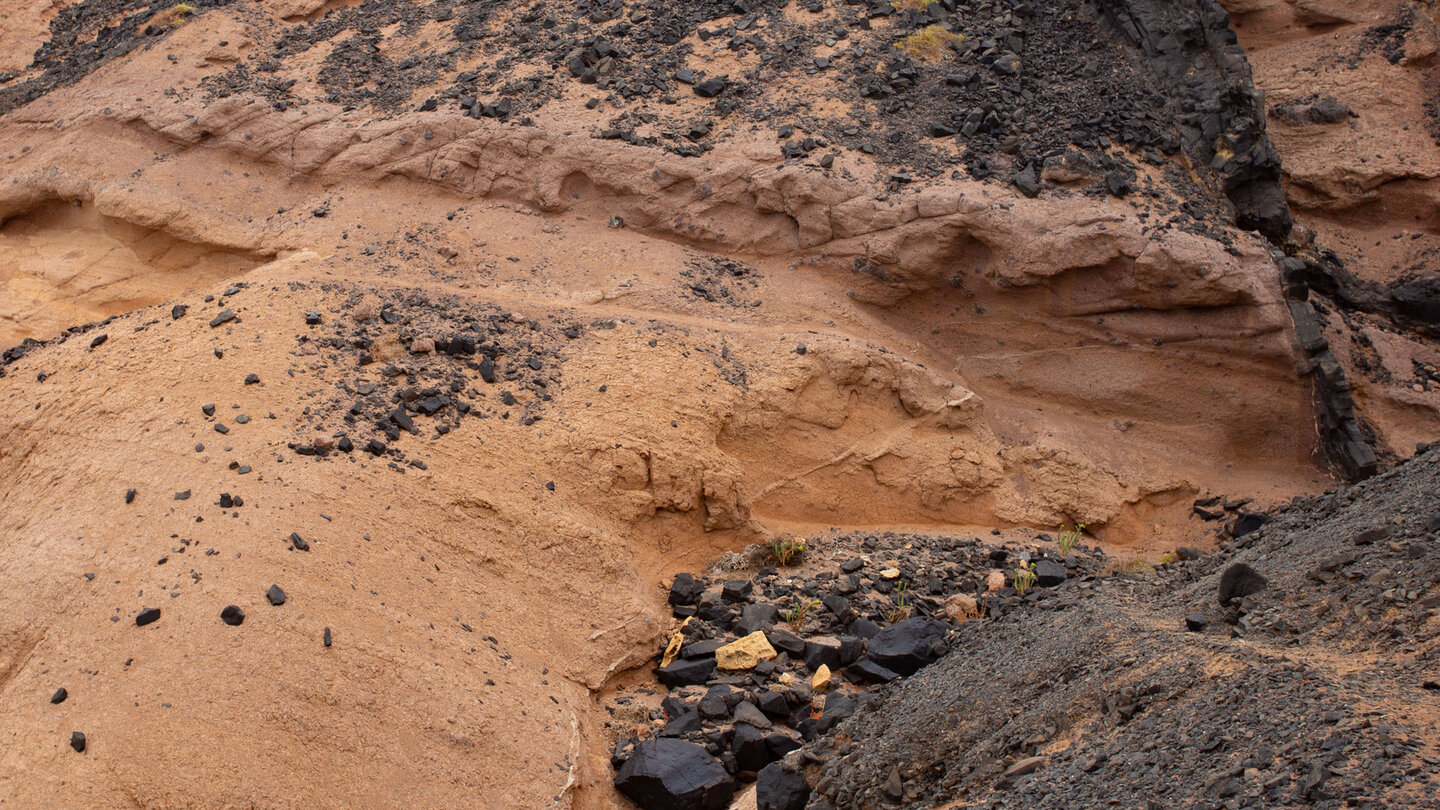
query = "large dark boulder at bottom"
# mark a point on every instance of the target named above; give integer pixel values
(667, 774)
(909, 645)
(779, 789)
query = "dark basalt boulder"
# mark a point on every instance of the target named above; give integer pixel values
(909, 645)
(669, 774)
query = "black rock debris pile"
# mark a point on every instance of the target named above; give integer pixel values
(1297, 666)
(768, 659)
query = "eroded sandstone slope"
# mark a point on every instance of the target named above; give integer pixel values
(538, 314)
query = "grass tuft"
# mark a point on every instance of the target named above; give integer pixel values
(928, 44)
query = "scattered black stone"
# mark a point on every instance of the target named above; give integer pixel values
(1196, 622)
(98, 340)
(225, 316)
(129, 496)
(711, 87)
(299, 543)
(184, 495)
(59, 696)
(251, 379)
(233, 615)
(327, 638)
(77, 741)
(147, 616)
(275, 595)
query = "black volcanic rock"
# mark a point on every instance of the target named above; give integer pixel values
(1240, 581)
(669, 774)
(779, 789)
(909, 645)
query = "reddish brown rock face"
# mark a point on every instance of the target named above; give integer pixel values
(517, 365)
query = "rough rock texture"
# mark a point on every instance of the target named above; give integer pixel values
(1314, 690)
(1353, 110)
(472, 324)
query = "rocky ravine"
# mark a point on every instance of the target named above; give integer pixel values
(467, 326)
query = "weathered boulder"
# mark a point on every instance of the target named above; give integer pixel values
(909, 645)
(669, 774)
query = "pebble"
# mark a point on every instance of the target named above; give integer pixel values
(275, 595)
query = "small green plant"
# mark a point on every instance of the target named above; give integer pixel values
(1138, 566)
(1069, 539)
(173, 17)
(799, 609)
(902, 608)
(928, 44)
(787, 550)
(1024, 578)
(1169, 557)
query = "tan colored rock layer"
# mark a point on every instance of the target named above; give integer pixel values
(969, 357)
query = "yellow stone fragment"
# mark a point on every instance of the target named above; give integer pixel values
(821, 681)
(745, 653)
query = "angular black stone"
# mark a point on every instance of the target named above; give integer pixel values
(686, 672)
(748, 746)
(147, 616)
(871, 672)
(59, 696)
(1247, 523)
(1196, 622)
(864, 628)
(1240, 581)
(685, 590)
(774, 704)
(711, 87)
(909, 645)
(756, 617)
(275, 595)
(779, 789)
(822, 651)
(669, 774)
(77, 741)
(232, 615)
(1049, 573)
(224, 317)
(687, 722)
(737, 590)
(786, 642)
(702, 649)
(1027, 181)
